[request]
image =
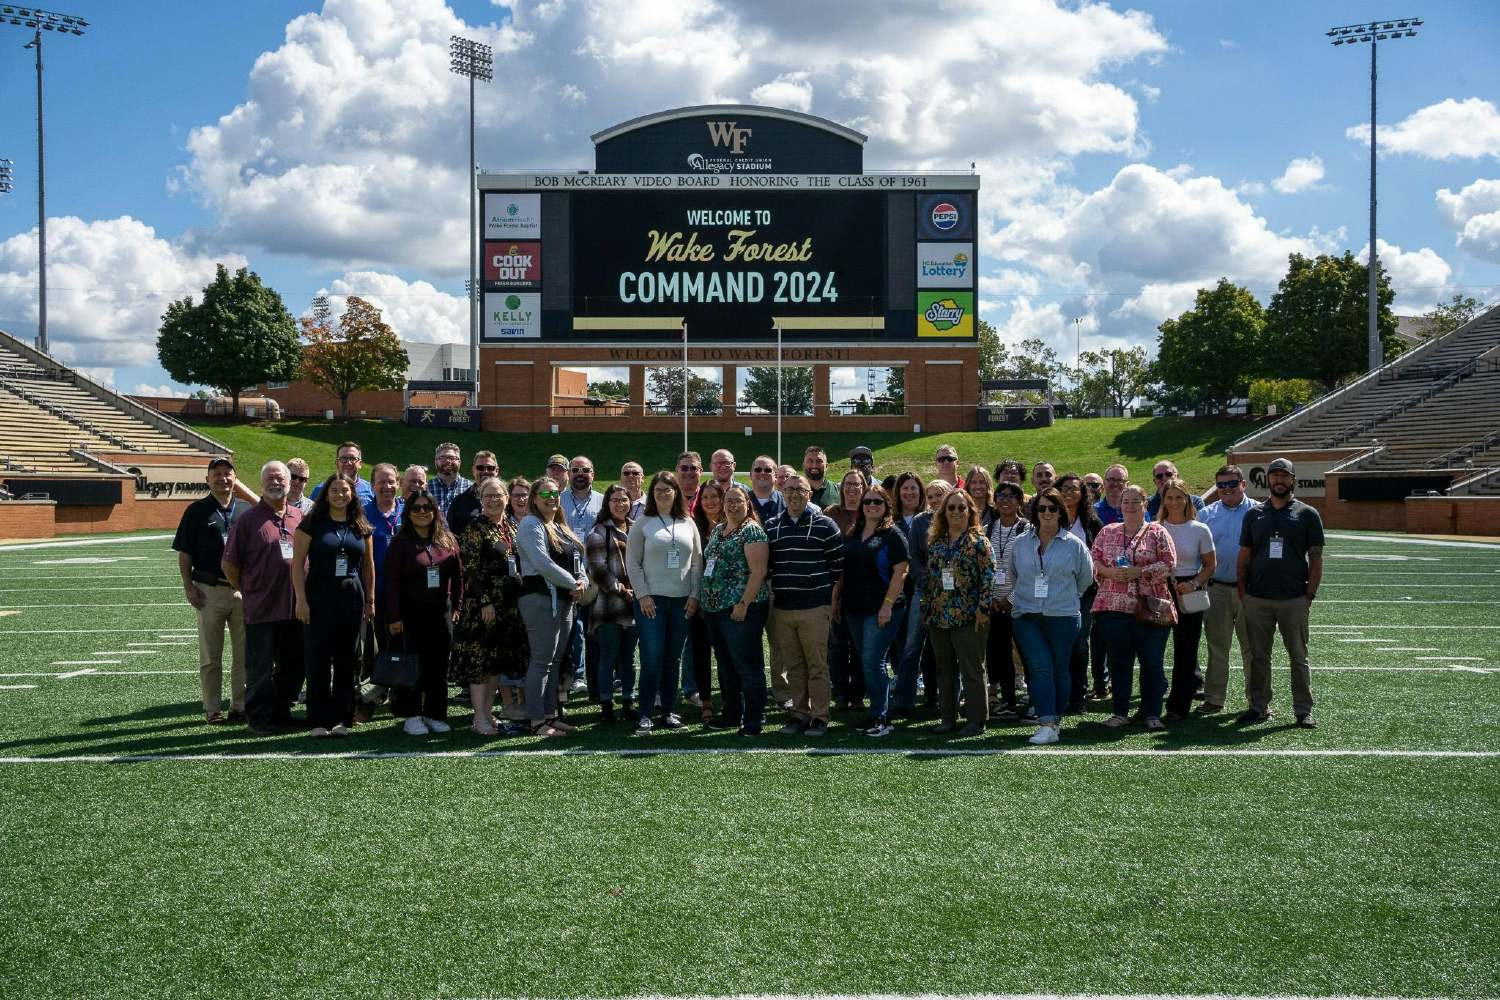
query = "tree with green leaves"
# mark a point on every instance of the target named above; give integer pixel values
(238, 336)
(796, 389)
(1317, 324)
(992, 353)
(361, 354)
(1201, 355)
(1113, 378)
(705, 396)
(1446, 317)
(610, 388)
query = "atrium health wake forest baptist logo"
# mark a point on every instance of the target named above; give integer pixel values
(729, 136)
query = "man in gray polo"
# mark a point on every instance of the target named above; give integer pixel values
(1225, 619)
(1280, 569)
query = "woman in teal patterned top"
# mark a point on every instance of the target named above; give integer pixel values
(736, 602)
(955, 608)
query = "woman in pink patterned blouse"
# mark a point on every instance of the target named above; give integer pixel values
(1133, 558)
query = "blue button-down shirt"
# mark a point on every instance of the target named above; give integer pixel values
(1067, 564)
(444, 494)
(1225, 523)
(582, 514)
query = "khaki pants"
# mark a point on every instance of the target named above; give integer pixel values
(802, 637)
(1262, 619)
(221, 608)
(960, 653)
(1223, 622)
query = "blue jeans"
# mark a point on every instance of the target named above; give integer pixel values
(616, 645)
(661, 640)
(1125, 640)
(737, 646)
(574, 671)
(871, 640)
(1046, 643)
(909, 658)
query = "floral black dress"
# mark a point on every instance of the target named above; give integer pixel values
(482, 651)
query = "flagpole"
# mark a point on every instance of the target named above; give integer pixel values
(686, 378)
(778, 394)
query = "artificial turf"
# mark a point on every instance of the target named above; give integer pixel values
(513, 875)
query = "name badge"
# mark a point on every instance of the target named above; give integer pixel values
(1122, 560)
(948, 583)
(708, 567)
(1040, 590)
(433, 578)
(510, 563)
(674, 558)
(341, 566)
(577, 565)
(1278, 547)
(286, 548)
(1001, 577)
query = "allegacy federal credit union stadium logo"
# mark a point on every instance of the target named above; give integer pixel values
(945, 314)
(945, 265)
(729, 136)
(512, 315)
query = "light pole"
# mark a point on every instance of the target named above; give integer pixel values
(1374, 32)
(63, 24)
(7, 177)
(469, 58)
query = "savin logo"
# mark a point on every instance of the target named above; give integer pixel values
(944, 314)
(728, 135)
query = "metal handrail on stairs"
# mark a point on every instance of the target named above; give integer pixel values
(67, 415)
(1415, 399)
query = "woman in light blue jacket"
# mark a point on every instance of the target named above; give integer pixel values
(1049, 568)
(552, 580)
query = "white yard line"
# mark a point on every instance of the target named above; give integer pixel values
(83, 663)
(1400, 669)
(177, 605)
(86, 585)
(123, 652)
(1364, 640)
(73, 543)
(1399, 540)
(1451, 659)
(1019, 753)
(1407, 649)
(76, 673)
(1321, 602)
(16, 687)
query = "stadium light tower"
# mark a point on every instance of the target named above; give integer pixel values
(475, 61)
(62, 24)
(7, 177)
(1374, 32)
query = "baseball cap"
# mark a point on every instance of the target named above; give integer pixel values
(859, 452)
(1282, 465)
(220, 460)
(561, 460)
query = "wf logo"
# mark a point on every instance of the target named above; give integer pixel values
(727, 135)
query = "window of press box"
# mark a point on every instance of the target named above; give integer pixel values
(665, 393)
(867, 392)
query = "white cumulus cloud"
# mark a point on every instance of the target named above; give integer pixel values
(1419, 277)
(415, 310)
(1302, 174)
(1474, 213)
(1449, 129)
(108, 283)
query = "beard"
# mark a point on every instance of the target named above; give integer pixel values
(275, 492)
(1280, 490)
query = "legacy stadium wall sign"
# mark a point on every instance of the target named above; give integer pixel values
(736, 221)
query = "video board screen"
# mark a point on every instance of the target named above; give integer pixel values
(728, 261)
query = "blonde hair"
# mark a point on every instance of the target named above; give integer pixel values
(1189, 512)
(1133, 488)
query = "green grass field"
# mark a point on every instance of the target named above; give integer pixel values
(1354, 860)
(1196, 445)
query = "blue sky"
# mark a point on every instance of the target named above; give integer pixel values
(1130, 152)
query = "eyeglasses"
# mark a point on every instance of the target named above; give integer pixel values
(956, 508)
(766, 469)
(1046, 509)
(873, 502)
(1227, 484)
(346, 459)
(1114, 479)
(631, 472)
(298, 479)
(493, 498)
(547, 494)
(486, 468)
(947, 458)
(690, 468)
(1068, 488)
(795, 489)
(581, 468)
(1161, 475)
(421, 510)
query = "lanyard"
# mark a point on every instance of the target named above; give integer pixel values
(671, 527)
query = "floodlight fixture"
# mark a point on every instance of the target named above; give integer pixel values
(1374, 32)
(476, 61)
(7, 176)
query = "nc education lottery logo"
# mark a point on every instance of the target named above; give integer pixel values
(945, 265)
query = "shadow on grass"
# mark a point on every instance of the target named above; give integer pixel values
(1163, 436)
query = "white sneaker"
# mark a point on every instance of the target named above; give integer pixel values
(1044, 736)
(694, 699)
(416, 727)
(320, 731)
(437, 725)
(340, 730)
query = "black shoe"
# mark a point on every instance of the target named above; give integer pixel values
(902, 713)
(627, 707)
(1250, 716)
(1306, 721)
(264, 729)
(816, 727)
(607, 712)
(744, 731)
(719, 722)
(1073, 708)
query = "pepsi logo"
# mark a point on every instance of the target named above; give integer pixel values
(944, 216)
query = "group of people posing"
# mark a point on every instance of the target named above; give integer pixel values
(965, 595)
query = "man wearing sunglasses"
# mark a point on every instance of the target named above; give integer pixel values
(946, 461)
(689, 476)
(295, 494)
(1225, 618)
(465, 507)
(1164, 472)
(633, 478)
(766, 498)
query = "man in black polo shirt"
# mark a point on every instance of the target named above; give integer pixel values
(199, 544)
(465, 507)
(1280, 569)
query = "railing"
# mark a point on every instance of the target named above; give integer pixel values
(1483, 479)
(1467, 452)
(1415, 399)
(65, 414)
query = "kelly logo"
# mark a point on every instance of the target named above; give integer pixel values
(728, 135)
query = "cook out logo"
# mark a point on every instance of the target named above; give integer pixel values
(513, 264)
(944, 216)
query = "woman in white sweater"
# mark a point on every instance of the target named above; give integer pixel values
(664, 560)
(552, 579)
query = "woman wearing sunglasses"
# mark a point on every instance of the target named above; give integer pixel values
(489, 641)
(552, 582)
(423, 579)
(1049, 568)
(873, 598)
(1084, 524)
(955, 609)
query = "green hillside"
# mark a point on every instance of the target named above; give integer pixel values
(1196, 445)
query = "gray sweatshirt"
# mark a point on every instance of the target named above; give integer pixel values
(648, 550)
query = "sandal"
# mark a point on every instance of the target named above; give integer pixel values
(707, 712)
(1155, 725)
(544, 728)
(1116, 721)
(215, 718)
(560, 725)
(483, 730)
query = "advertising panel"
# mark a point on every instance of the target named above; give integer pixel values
(169, 482)
(945, 314)
(945, 217)
(945, 265)
(729, 262)
(512, 315)
(1311, 473)
(512, 216)
(512, 265)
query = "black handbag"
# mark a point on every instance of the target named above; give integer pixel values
(397, 669)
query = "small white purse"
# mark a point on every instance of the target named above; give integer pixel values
(1194, 601)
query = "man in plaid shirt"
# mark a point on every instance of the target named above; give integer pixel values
(447, 484)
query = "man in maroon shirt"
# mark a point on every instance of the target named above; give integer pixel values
(257, 564)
